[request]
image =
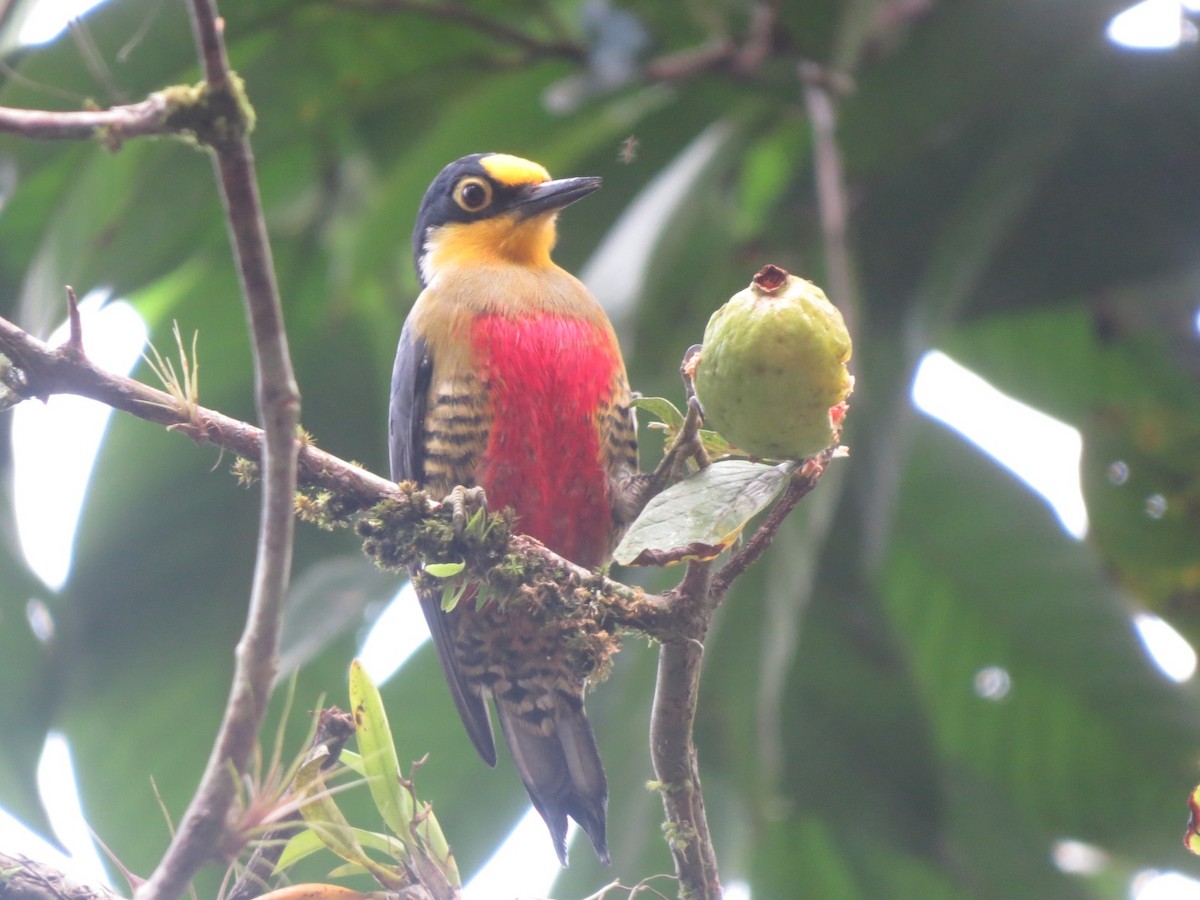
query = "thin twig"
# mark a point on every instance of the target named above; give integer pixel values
(74, 344)
(45, 371)
(147, 117)
(93, 59)
(278, 401)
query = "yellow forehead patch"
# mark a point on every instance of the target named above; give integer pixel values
(512, 170)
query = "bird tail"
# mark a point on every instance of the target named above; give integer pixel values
(560, 765)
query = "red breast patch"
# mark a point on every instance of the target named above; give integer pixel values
(547, 378)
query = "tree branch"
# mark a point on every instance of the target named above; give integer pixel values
(278, 401)
(208, 115)
(22, 878)
(672, 747)
(150, 116)
(42, 371)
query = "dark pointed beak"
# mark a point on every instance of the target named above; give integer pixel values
(553, 195)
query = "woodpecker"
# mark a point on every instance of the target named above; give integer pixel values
(508, 377)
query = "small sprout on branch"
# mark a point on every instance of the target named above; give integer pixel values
(74, 344)
(246, 471)
(662, 787)
(678, 835)
(325, 509)
(454, 588)
(183, 386)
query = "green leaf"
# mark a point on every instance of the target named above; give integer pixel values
(299, 846)
(380, 763)
(444, 570)
(453, 592)
(419, 831)
(306, 843)
(662, 409)
(715, 445)
(703, 514)
(321, 813)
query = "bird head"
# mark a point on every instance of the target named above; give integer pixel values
(491, 208)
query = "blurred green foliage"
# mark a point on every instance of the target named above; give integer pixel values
(1022, 196)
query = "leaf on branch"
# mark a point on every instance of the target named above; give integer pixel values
(670, 421)
(663, 409)
(323, 817)
(444, 570)
(380, 762)
(702, 515)
(716, 446)
(415, 826)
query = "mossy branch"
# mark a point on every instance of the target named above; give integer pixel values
(399, 523)
(200, 113)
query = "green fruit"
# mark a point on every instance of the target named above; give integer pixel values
(771, 376)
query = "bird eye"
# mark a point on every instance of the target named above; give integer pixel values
(472, 194)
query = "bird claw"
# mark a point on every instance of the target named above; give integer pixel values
(465, 504)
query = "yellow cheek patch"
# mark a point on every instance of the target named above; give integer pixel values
(501, 239)
(512, 170)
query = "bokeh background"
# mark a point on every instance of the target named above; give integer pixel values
(929, 687)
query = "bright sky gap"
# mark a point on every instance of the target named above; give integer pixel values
(1037, 448)
(60, 798)
(55, 443)
(1169, 650)
(46, 20)
(1154, 25)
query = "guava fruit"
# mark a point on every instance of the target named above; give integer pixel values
(771, 374)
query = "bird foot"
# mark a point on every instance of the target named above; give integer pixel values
(466, 504)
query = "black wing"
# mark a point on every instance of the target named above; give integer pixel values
(411, 377)
(406, 416)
